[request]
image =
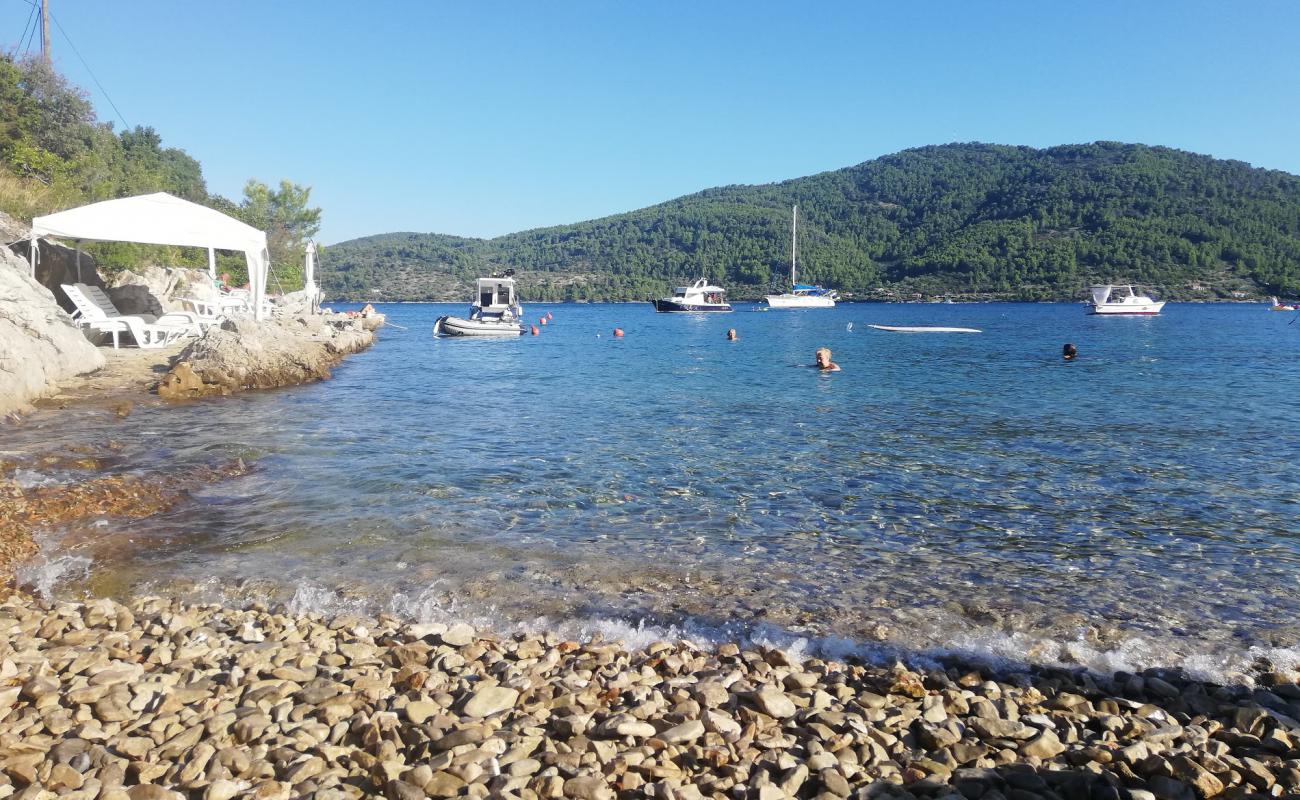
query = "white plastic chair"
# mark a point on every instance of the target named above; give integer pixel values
(96, 311)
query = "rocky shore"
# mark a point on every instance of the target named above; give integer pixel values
(158, 699)
(44, 354)
(243, 354)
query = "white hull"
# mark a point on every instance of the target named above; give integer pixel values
(459, 326)
(800, 301)
(699, 296)
(1126, 309)
(1106, 303)
(923, 329)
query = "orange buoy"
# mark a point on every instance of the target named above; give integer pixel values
(618, 332)
(535, 331)
(542, 320)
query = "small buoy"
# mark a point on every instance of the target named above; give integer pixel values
(542, 320)
(535, 331)
(549, 316)
(618, 332)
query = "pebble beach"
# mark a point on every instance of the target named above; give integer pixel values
(143, 696)
(157, 699)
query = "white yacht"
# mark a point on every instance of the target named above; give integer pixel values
(1105, 302)
(496, 311)
(801, 295)
(699, 296)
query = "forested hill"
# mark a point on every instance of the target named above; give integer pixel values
(964, 220)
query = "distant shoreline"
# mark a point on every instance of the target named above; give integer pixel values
(842, 302)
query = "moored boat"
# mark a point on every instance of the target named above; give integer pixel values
(699, 296)
(1105, 303)
(1278, 305)
(923, 329)
(801, 295)
(496, 311)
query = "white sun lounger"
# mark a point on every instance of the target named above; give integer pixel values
(147, 330)
(212, 312)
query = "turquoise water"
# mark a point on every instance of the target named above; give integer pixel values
(943, 492)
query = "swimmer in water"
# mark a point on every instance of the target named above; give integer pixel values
(731, 335)
(824, 362)
(1069, 352)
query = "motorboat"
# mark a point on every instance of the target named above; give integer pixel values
(496, 311)
(699, 296)
(801, 295)
(1278, 305)
(1106, 302)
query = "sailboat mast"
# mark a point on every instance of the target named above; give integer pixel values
(794, 242)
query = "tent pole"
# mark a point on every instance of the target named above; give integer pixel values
(78, 262)
(31, 255)
(212, 263)
(257, 282)
(309, 271)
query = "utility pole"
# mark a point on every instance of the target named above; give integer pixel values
(45, 31)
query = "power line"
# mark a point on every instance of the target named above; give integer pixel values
(102, 90)
(28, 27)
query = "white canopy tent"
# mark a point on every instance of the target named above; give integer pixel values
(162, 219)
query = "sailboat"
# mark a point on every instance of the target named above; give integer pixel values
(801, 295)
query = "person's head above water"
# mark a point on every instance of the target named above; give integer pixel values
(824, 362)
(731, 335)
(1069, 352)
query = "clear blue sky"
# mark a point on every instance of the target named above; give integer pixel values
(480, 118)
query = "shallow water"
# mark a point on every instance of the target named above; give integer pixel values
(944, 492)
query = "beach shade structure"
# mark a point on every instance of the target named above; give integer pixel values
(309, 288)
(161, 218)
(309, 269)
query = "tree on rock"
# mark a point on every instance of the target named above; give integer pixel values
(288, 221)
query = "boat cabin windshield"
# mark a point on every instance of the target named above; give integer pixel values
(495, 293)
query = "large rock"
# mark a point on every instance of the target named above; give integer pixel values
(39, 344)
(57, 265)
(134, 299)
(300, 302)
(244, 354)
(157, 290)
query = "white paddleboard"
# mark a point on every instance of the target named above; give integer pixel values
(922, 329)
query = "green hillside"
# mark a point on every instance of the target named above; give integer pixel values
(965, 220)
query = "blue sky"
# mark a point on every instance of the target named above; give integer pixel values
(479, 118)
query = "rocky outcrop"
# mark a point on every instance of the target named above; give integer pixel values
(58, 264)
(303, 301)
(157, 290)
(39, 344)
(244, 354)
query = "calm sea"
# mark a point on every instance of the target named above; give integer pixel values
(942, 493)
